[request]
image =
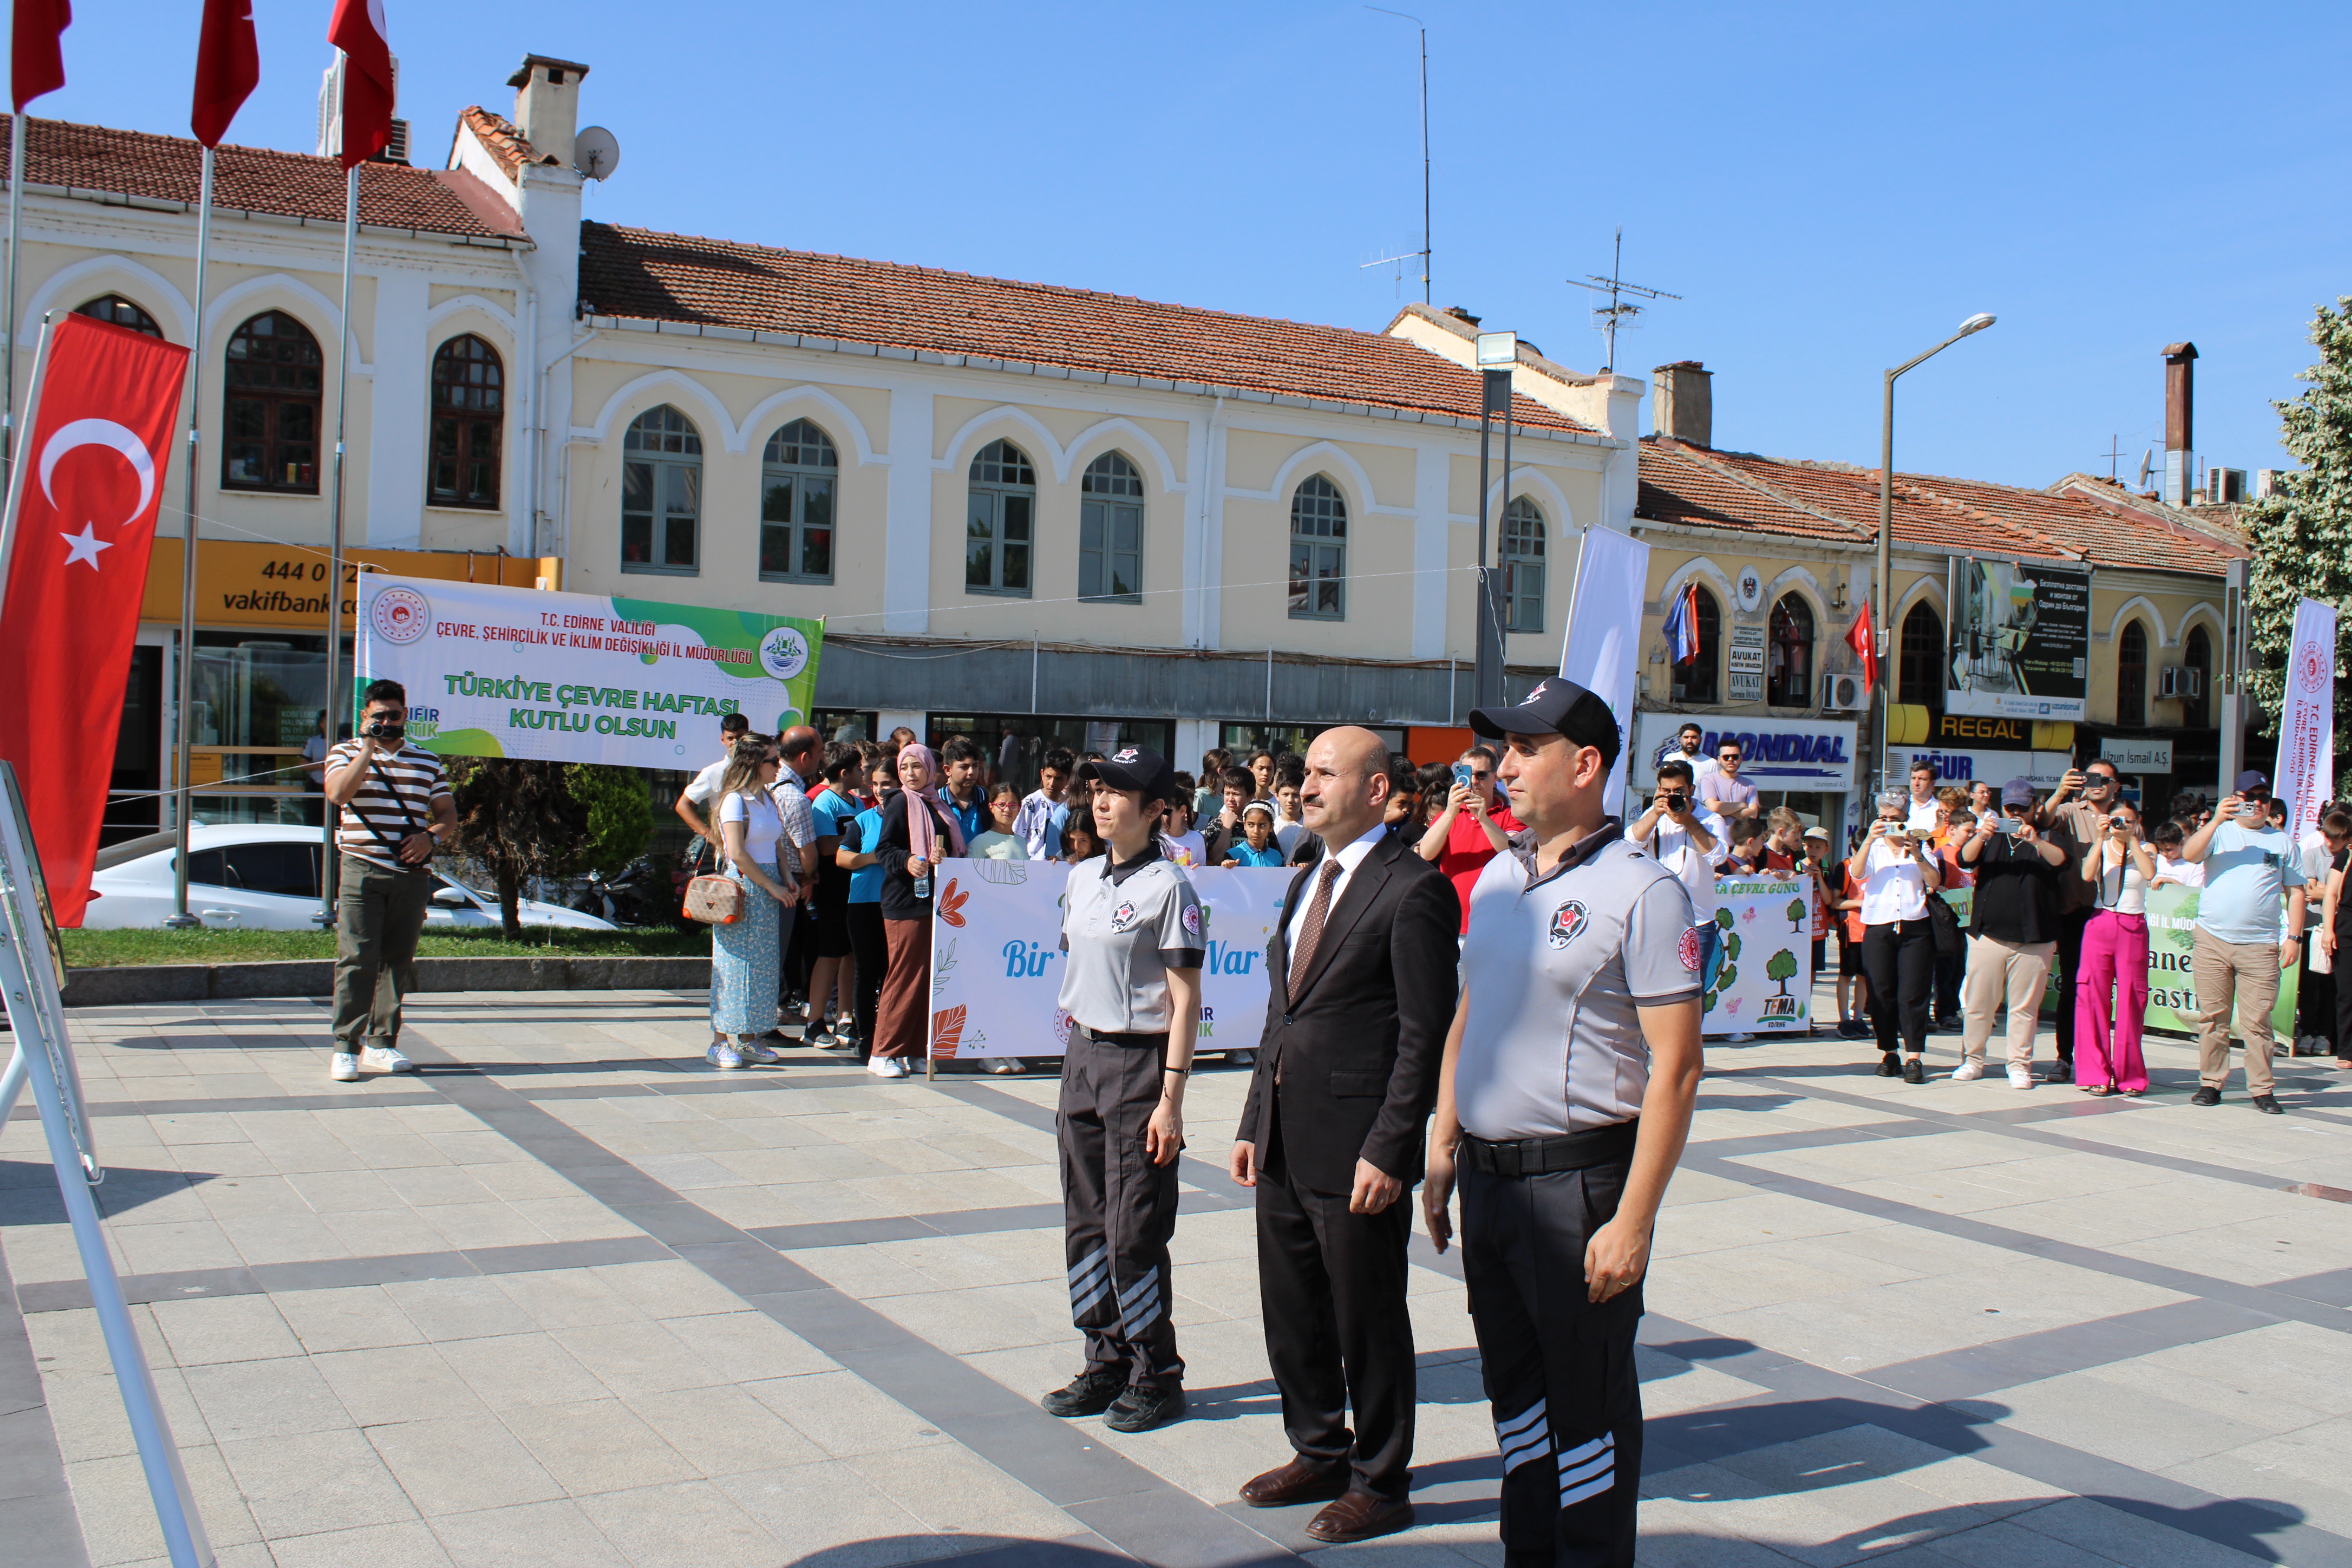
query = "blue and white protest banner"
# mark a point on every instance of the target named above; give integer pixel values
(996, 957)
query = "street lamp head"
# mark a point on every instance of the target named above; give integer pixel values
(1977, 324)
(1497, 351)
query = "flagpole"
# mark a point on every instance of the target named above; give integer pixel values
(15, 206)
(184, 798)
(337, 704)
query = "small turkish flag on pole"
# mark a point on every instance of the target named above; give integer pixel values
(228, 66)
(81, 520)
(36, 61)
(1858, 636)
(358, 31)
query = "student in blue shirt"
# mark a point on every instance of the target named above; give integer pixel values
(832, 1025)
(861, 836)
(1259, 846)
(2250, 869)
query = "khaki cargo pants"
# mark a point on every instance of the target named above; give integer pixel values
(2244, 974)
(378, 917)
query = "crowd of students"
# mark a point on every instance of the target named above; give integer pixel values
(2059, 881)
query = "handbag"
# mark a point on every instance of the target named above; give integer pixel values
(1945, 924)
(712, 898)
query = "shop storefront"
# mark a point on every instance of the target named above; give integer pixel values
(258, 675)
(1805, 764)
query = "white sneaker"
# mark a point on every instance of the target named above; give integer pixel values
(343, 1068)
(2021, 1078)
(887, 1066)
(384, 1059)
(1969, 1071)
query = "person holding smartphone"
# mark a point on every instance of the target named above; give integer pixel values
(1473, 828)
(2012, 931)
(2250, 868)
(1895, 871)
(2112, 992)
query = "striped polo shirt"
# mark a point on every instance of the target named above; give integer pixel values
(410, 778)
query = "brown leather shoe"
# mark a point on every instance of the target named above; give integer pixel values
(1298, 1481)
(1360, 1515)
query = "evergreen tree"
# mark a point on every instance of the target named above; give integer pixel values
(2301, 536)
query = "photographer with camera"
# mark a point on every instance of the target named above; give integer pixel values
(396, 808)
(1895, 871)
(2012, 932)
(1688, 840)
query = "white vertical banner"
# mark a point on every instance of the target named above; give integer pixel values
(2305, 775)
(1602, 650)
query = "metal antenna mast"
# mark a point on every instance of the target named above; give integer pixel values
(2114, 455)
(1424, 252)
(1618, 311)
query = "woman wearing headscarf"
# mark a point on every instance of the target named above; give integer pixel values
(745, 972)
(917, 834)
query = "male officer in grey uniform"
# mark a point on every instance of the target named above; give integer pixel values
(1132, 928)
(1568, 1080)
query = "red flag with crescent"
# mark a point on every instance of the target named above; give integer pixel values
(90, 482)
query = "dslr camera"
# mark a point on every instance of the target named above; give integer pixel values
(386, 730)
(1673, 800)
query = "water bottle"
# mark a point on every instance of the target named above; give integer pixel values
(923, 885)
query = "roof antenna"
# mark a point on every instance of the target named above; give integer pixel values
(1399, 259)
(1617, 313)
(2114, 455)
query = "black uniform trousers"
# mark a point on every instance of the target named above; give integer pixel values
(1900, 959)
(1119, 1209)
(1339, 1337)
(1559, 1369)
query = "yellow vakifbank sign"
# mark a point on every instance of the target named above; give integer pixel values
(242, 584)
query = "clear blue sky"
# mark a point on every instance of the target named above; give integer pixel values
(1831, 188)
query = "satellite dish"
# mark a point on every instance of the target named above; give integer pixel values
(596, 152)
(2147, 461)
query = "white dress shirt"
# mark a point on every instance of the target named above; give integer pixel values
(1350, 859)
(1920, 813)
(1695, 867)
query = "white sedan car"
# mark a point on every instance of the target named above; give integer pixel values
(246, 877)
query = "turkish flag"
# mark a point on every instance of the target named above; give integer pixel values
(37, 62)
(77, 562)
(357, 30)
(229, 65)
(1860, 638)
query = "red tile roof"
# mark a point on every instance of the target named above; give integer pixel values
(1702, 487)
(637, 273)
(506, 144)
(102, 161)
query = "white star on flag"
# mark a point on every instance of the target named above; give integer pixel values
(84, 547)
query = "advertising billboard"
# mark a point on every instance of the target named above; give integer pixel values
(2020, 640)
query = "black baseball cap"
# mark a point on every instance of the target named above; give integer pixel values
(2250, 779)
(1136, 768)
(1558, 706)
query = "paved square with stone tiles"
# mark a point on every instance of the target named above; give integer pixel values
(567, 1296)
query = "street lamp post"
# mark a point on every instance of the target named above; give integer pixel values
(1882, 598)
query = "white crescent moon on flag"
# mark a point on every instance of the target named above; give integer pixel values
(101, 433)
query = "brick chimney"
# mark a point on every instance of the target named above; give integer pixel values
(547, 104)
(1682, 406)
(2180, 424)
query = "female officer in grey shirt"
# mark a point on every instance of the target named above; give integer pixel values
(1132, 931)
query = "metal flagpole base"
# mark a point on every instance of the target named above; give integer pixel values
(11, 1084)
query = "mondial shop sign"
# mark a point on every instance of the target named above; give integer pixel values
(1803, 754)
(518, 672)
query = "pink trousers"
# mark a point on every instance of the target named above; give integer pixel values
(2111, 1001)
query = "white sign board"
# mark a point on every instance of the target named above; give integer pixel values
(1958, 766)
(1763, 978)
(1744, 663)
(2135, 755)
(1777, 753)
(996, 957)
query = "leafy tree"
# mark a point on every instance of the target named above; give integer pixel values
(1782, 966)
(523, 819)
(1797, 912)
(2301, 536)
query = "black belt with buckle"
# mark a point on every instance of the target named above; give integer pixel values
(1610, 1145)
(1102, 1039)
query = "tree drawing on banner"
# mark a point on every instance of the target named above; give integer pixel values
(1725, 970)
(1781, 967)
(1796, 913)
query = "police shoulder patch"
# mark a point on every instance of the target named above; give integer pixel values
(1191, 919)
(1689, 951)
(1567, 923)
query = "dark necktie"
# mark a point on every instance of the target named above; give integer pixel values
(1311, 935)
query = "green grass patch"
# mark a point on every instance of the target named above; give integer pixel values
(108, 949)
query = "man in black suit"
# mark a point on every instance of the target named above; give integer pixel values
(1363, 970)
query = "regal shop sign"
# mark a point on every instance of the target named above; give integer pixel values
(1805, 754)
(996, 958)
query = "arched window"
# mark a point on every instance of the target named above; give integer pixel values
(1789, 661)
(999, 521)
(1699, 680)
(796, 475)
(1110, 531)
(661, 493)
(2131, 676)
(1319, 551)
(270, 389)
(1523, 567)
(122, 312)
(2196, 655)
(469, 406)
(1919, 673)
